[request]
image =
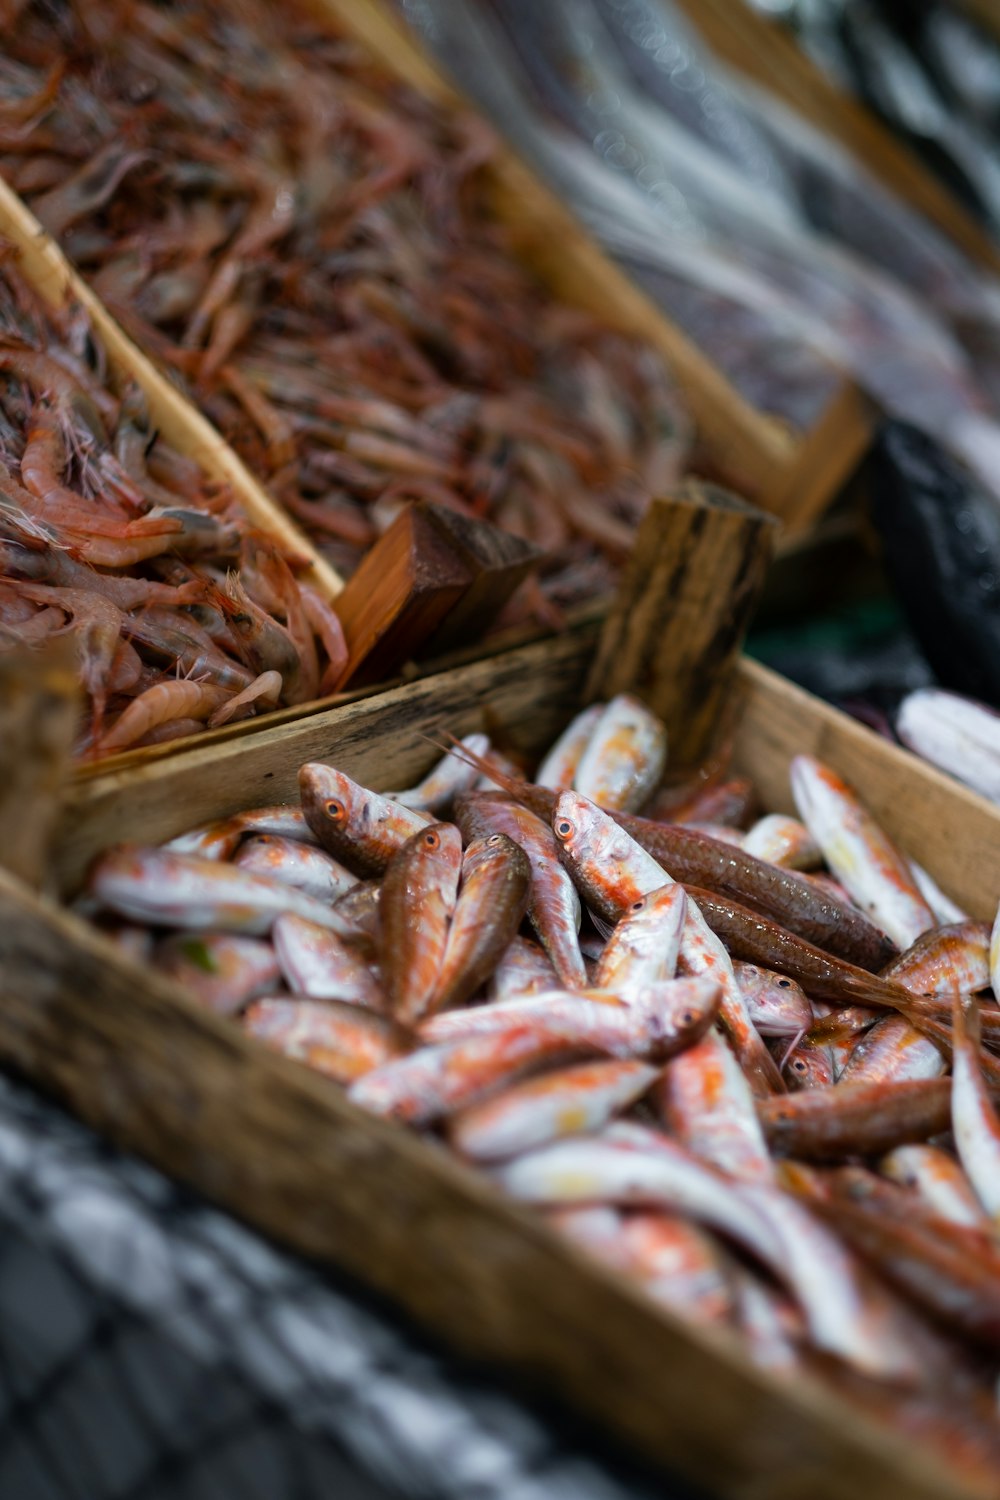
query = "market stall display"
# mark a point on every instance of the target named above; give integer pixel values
(475, 1269)
(647, 1005)
(767, 239)
(588, 1080)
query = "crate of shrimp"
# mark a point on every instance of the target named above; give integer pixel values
(645, 1055)
(271, 278)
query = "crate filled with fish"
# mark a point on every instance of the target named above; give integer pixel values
(688, 1073)
(186, 611)
(326, 259)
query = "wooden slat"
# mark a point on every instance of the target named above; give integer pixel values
(387, 740)
(287, 1152)
(675, 630)
(764, 51)
(39, 706)
(50, 273)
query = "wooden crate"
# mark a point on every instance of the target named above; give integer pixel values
(753, 453)
(285, 1150)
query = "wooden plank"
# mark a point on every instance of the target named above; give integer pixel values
(52, 276)
(286, 1151)
(530, 692)
(764, 51)
(676, 627)
(389, 740)
(949, 829)
(39, 708)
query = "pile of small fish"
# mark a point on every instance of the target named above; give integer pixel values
(182, 614)
(309, 246)
(728, 1080)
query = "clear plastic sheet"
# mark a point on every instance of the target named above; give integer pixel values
(777, 251)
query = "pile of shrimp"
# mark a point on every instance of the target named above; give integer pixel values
(309, 246)
(750, 1062)
(181, 613)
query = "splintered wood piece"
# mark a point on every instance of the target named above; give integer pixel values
(674, 632)
(39, 705)
(498, 563)
(410, 580)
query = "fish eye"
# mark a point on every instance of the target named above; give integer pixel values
(784, 984)
(564, 828)
(432, 840)
(638, 905)
(334, 809)
(799, 1065)
(688, 1018)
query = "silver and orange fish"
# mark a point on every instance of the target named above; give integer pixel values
(558, 768)
(807, 1067)
(781, 840)
(658, 1021)
(951, 960)
(356, 826)
(614, 872)
(293, 863)
(167, 889)
(493, 897)
(570, 1101)
(344, 1042)
(553, 905)
(859, 852)
(629, 1166)
(705, 1102)
(523, 968)
(435, 1081)
(777, 1005)
(622, 763)
(679, 1265)
(317, 963)
(644, 945)
(419, 892)
(893, 1051)
(221, 840)
(939, 1182)
(974, 1120)
(222, 970)
(455, 772)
